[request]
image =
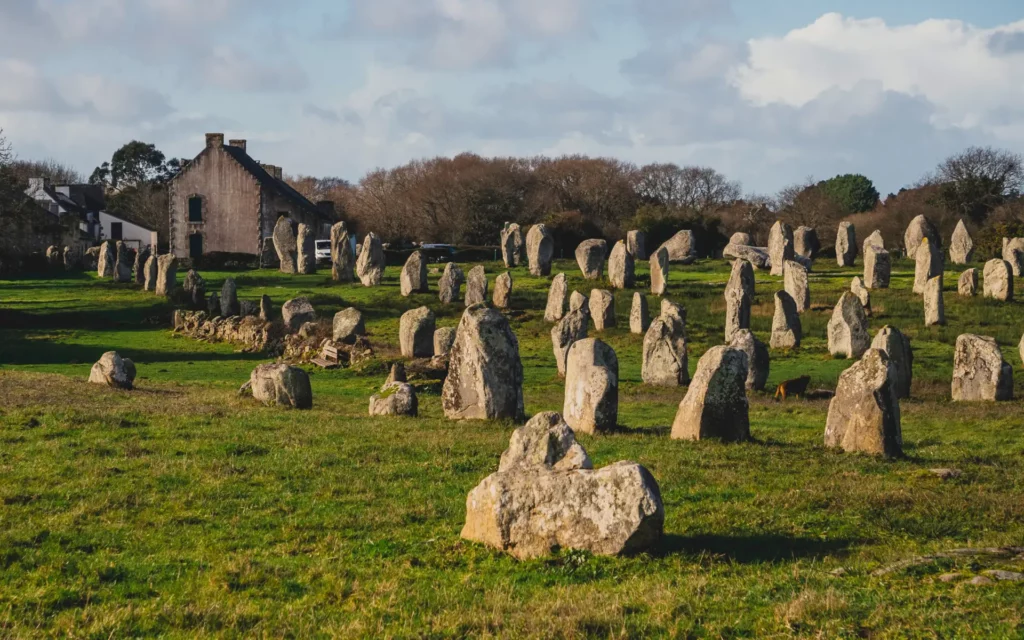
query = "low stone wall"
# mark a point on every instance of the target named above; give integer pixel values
(251, 333)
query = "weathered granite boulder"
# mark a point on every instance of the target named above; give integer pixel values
(665, 353)
(621, 268)
(742, 238)
(195, 290)
(91, 259)
(444, 338)
(166, 275)
(901, 358)
(53, 256)
(848, 329)
(503, 291)
(877, 267)
(213, 305)
(450, 285)
(416, 333)
(795, 284)
(659, 271)
(476, 286)
(370, 264)
(285, 245)
(846, 244)
(123, 261)
(780, 246)
(348, 325)
(343, 261)
(297, 312)
(414, 275)
(682, 247)
(602, 309)
(485, 374)
(557, 297)
(396, 374)
(540, 248)
(248, 308)
(306, 247)
(967, 285)
(545, 497)
(979, 371)
(934, 308)
(863, 293)
(229, 299)
(757, 256)
(806, 243)
(874, 240)
(997, 280)
(961, 246)
(113, 371)
(150, 273)
(281, 385)
(138, 264)
(1013, 252)
(72, 257)
(864, 415)
(737, 311)
(636, 244)
(715, 405)
(758, 359)
(928, 263)
(395, 399)
(787, 331)
(590, 257)
(577, 301)
(639, 316)
(742, 277)
(107, 259)
(512, 244)
(919, 229)
(591, 387)
(572, 327)
(266, 308)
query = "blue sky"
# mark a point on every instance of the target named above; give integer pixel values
(769, 92)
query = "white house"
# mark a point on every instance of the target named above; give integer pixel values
(132, 233)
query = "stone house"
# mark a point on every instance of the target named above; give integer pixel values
(85, 204)
(225, 201)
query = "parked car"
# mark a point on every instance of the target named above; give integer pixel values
(438, 252)
(323, 251)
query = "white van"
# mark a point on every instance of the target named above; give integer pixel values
(323, 251)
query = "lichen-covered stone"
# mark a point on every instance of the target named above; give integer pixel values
(476, 286)
(997, 280)
(591, 387)
(540, 249)
(450, 285)
(370, 264)
(659, 271)
(485, 374)
(846, 244)
(636, 244)
(737, 311)
(934, 307)
(621, 268)
(281, 385)
(416, 333)
(557, 298)
(503, 291)
(602, 309)
(787, 331)
(967, 284)
(413, 278)
(795, 284)
(397, 399)
(572, 327)
(639, 316)
(590, 258)
(757, 256)
(758, 358)
(512, 244)
(780, 246)
(682, 247)
(979, 371)
(919, 229)
(113, 371)
(348, 325)
(805, 243)
(848, 329)
(285, 245)
(343, 261)
(928, 263)
(877, 267)
(305, 244)
(961, 245)
(166, 275)
(229, 299)
(862, 292)
(864, 415)
(901, 358)
(665, 354)
(297, 312)
(715, 405)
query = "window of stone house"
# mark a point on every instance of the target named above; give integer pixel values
(195, 209)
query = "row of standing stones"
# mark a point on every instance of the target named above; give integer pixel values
(546, 494)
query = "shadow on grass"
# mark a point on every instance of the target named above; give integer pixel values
(751, 549)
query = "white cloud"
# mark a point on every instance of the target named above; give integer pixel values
(228, 68)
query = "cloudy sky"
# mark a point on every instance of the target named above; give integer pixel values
(767, 91)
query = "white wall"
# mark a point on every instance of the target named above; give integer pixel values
(136, 236)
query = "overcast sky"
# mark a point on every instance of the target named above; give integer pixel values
(767, 91)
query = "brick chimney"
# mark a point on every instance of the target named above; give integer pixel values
(214, 140)
(237, 143)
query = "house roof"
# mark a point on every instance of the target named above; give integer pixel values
(280, 186)
(64, 201)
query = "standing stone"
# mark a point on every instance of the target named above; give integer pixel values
(659, 271)
(682, 247)
(444, 338)
(780, 246)
(1013, 252)
(416, 333)
(213, 305)
(864, 415)
(979, 371)
(758, 360)
(343, 263)
(370, 264)
(414, 275)
(108, 257)
(928, 264)
(540, 248)
(602, 309)
(247, 308)
(874, 240)
(961, 246)
(967, 285)
(123, 263)
(572, 327)
(919, 229)
(348, 325)
(621, 268)
(503, 291)
(591, 387)
(577, 301)
(737, 312)
(285, 245)
(485, 374)
(846, 244)
(195, 290)
(557, 295)
(934, 309)
(297, 312)
(742, 276)
(229, 299)
(53, 256)
(141, 257)
(997, 280)
(848, 329)
(476, 286)
(863, 293)
(636, 244)
(741, 238)
(512, 245)
(901, 358)
(113, 371)
(266, 308)
(73, 261)
(795, 284)
(450, 286)
(805, 243)
(787, 331)
(306, 246)
(639, 317)
(151, 271)
(665, 358)
(281, 385)
(877, 267)
(590, 257)
(395, 399)
(715, 405)
(166, 275)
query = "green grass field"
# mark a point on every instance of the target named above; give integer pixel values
(182, 510)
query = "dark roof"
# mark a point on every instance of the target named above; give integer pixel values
(70, 205)
(269, 181)
(89, 196)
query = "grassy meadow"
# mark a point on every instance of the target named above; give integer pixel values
(182, 510)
